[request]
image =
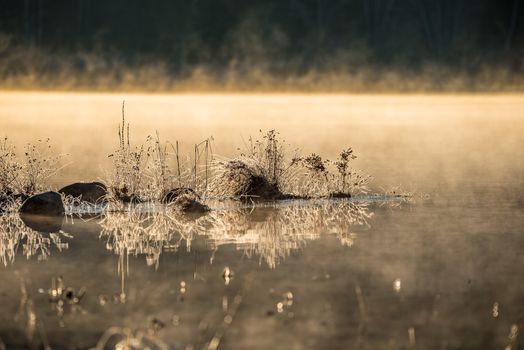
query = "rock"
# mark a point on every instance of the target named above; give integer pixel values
(91, 192)
(177, 192)
(187, 204)
(46, 204)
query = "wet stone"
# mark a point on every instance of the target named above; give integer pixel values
(91, 192)
(46, 204)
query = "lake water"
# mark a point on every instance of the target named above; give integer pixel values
(440, 271)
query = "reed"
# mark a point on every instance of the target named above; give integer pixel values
(125, 182)
(145, 173)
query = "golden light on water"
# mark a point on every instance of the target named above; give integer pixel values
(495, 310)
(397, 285)
(462, 152)
(284, 174)
(456, 133)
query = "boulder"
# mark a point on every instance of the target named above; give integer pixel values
(173, 194)
(91, 192)
(46, 204)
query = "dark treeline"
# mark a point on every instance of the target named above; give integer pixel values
(284, 37)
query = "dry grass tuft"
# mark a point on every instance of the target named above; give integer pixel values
(29, 173)
(16, 235)
(265, 170)
(129, 165)
(25, 175)
(241, 177)
(148, 172)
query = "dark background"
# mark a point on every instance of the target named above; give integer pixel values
(283, 37)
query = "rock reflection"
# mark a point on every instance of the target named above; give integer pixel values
(148, 233)
(34, 236)
(43, 224)
(270, 233)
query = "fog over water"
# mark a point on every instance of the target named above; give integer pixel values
(230, 212)
(414, 140)
(441, 270)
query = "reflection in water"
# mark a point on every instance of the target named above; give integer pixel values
(271, 233)
(268, 232)
(400, 287)
(281, 230)
(16, 232)
(129, 339)
(442, 275)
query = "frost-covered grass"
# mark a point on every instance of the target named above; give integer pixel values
(291, 175)
(26, 172)
(147, 172)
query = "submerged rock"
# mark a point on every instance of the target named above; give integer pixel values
(240, 180)
(46, 204)
(188, 204)
(91, 192)
(177, 192)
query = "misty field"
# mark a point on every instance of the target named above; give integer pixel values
(262, 221)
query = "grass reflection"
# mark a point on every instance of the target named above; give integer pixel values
(270, 232)
(17, 234)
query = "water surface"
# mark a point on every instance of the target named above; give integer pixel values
(440, 271)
